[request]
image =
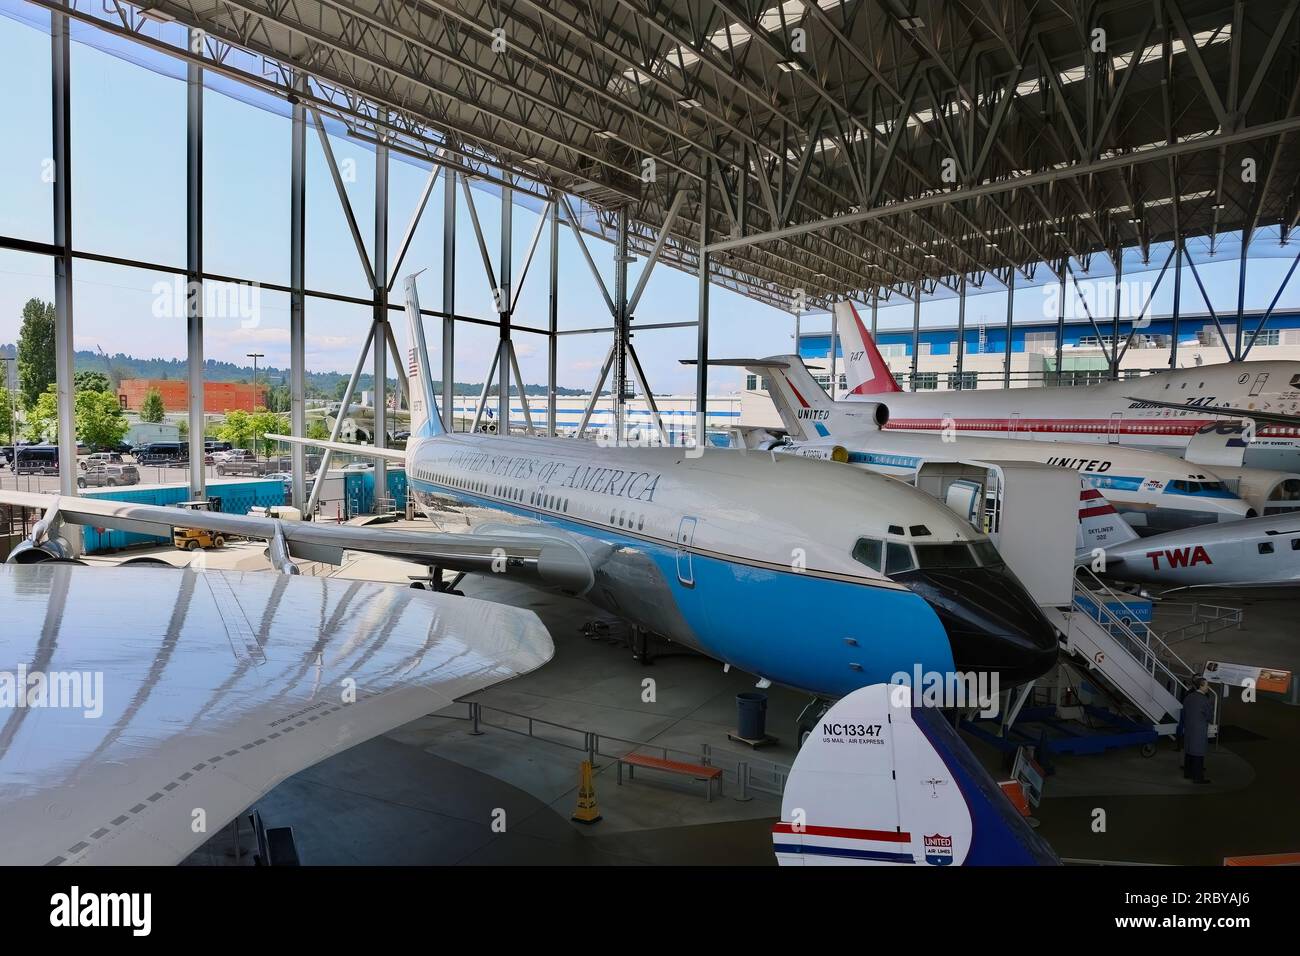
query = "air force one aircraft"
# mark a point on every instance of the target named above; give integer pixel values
(1155, 492)
(823, 579)
(871, 577)
(1161, 412)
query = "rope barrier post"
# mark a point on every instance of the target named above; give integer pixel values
(742, 773)
(474, 714)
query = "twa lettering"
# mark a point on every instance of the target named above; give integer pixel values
(1180, 557)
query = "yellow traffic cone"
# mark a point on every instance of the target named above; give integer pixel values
(587, 811)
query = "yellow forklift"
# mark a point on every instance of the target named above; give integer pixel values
(192, 539)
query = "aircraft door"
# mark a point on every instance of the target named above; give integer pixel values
(1112, 434)
(685, 538)
(1013, 424)
(1258, 385)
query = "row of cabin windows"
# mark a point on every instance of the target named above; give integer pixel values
(550, 502)
(621, 519)
(627, 519)
(535, 498)
(1013, 425)
(1266, 547)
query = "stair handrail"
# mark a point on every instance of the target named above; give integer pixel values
(1153, 646)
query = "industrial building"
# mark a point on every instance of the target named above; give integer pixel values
(218, 397)
(785, 433)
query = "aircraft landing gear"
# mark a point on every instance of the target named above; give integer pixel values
(809, 717)
(434, 582)
(640, 641)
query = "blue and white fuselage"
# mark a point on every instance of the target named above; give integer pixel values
(746, 558)
(821, 578)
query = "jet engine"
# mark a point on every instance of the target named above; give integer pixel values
(52, 549)
(878, 412)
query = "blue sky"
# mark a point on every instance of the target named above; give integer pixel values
(129, 199)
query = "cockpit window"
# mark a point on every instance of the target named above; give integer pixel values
(986, 554)
(869, 551)
(1197, 487)
(955, 555)
(918, 530)
(898, 558)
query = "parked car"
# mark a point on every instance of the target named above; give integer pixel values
(101, 458)
(37, 460)
(247, 467)
(233, 454)
(163, 453)
(359, 466)
(110, 476)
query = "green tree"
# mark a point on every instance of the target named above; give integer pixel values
(238, 429)
(7, 422)
(151, 410)
(184, 426)
(317, 430)
(43, 417)
(87, 381)
(265, 423)
(100, 422)
(35, 351)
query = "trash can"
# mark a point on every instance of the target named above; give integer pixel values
(751, 716)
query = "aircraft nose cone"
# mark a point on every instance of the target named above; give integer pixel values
(992, 622)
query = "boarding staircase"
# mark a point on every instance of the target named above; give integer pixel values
(1126, 652)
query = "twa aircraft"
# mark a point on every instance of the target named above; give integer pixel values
(1154, 492)
(1255, 553)
(1161, 412)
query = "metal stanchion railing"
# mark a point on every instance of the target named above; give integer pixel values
(742, 773)
(772, 781)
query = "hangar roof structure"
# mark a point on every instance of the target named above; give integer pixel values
(850, 145)
(797, 151)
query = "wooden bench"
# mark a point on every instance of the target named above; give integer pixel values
(698, 771)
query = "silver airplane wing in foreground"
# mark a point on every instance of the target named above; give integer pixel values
(545, 559)
(169, 701)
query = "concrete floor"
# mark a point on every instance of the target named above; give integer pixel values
(1152, 814)
(431, 791)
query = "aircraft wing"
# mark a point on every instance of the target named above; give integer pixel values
(547, 560)
(1272, 418)
(369, 451)
(174, 699)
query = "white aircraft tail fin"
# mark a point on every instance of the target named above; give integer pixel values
(425, 420)
(1100, 525)
(866, 371)
(882, 782)
(806, 411)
